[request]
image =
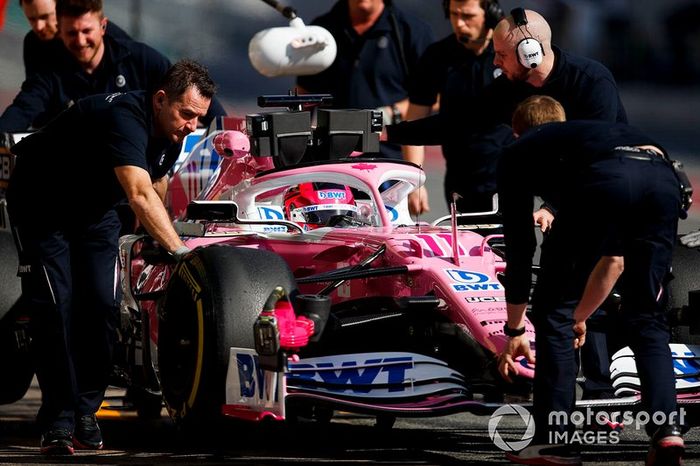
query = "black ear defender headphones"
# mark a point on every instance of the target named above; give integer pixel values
(493, 12)
(529, 50)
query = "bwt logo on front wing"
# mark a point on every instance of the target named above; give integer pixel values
(471, 281)
(392, 371)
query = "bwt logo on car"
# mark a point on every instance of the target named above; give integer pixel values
(358, 379)
(267, 213)
(331, 194)
(471, 281)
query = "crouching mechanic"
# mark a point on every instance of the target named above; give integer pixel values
(619, 202)
(68, 178)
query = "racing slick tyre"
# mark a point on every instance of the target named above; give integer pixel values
(15, 362)
(210, 305)
(686, 278)
(10, 289)
(16, 365)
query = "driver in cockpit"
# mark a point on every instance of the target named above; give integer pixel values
(315, 205)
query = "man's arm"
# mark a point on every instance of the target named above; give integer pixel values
(516, 346)
(28, 105)
(516, 198)
(161, 187)
(598, 287)
(147, 205)
(418, 199)
(429, 131)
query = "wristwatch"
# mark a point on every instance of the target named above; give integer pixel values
(510, 332)
(395, 115)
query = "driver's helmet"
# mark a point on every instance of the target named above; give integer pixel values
(314, 205)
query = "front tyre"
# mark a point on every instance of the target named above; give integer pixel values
(16, 363)
(210, 305)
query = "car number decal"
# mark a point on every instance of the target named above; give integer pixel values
(6, 165)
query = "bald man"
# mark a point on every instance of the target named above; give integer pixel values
(585, 88)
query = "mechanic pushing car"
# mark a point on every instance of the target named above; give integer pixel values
(615, 174)
(68, 253)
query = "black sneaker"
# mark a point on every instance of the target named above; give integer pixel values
(548, 455)
(87, 435)
(57, 442)
(667, 447)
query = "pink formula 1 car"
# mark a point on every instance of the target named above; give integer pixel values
(309, 288)
(309, 284)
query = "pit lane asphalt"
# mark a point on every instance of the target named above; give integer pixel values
(459, 439)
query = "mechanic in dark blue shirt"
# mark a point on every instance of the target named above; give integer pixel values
(68, 178)
(378, 48)
(457, 69)
(43, 49)
(92, 63)
(619, 203)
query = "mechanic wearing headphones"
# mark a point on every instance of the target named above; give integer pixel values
(615, 174)
(43, 48)
(91, 62)
(457, 68)
(378, 49)
(533, 66)
(68, 178)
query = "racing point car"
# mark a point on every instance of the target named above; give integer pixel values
(309, 285)
(309, 288)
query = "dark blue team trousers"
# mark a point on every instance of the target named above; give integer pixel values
(69, 278)
(617, 206)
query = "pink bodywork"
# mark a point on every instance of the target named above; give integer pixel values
(470, 292)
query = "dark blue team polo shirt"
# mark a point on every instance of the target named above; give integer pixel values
(367, 71)
(66, 170)
(448, 69)
(545, 162)
(459, 76)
